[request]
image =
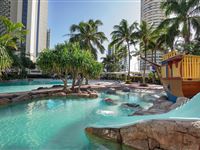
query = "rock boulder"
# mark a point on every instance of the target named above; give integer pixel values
(5, 101)
(155, 134)
(111, 91)
(131, 105)
(179, 102)
(93, 95)
(126, 89)
(109, 101)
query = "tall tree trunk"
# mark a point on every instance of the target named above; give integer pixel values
(155, 55)
(129, 61)
(145, 64)
(64, 79)
(79, 84)
(86, 81)
(74, 82)
(187, 35)
(157, 67)
(152, 58)
(152, 55)
(65, 84)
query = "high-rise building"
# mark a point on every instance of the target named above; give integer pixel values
(151, 12)
(153, 15)
(48, 38)
(34, 15)
(4, 11)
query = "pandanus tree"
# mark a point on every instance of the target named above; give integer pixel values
(123, 34)
(14, 33)
(88, 36)
(92, 69)
(55, 62)
(78, 59)
(183, 15)
(69, 59)
(82, 64)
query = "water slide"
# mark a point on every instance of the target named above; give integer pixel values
(188, 111)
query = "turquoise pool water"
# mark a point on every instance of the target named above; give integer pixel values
(25, 85)
(56, 124)
(188, 111)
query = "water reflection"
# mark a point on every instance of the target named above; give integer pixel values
(59, 123)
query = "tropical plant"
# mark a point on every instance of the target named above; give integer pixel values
(89, 36)
(82, 64)
(66, 59)
(111, 63)
(123, 34)
(144, 35)
(193, 47)
(182, 15)
(55, 62)
(14, 33)
(92, 69)
(160, 41)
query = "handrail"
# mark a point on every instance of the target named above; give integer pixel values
(169, 55)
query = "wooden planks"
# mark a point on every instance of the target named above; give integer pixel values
(190, 88)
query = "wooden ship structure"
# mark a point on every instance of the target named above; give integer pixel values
(180, 75)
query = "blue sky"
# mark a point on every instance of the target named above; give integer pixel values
(64, 13)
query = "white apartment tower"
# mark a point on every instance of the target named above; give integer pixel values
(153, 15)
(34, 15)
(151, 12)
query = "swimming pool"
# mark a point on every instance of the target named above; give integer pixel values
(59, 123)
(25, 85)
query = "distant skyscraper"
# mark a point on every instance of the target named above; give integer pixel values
(34, 15)
(4, 11)
(153, 15)
(151, 12)
(48, 38)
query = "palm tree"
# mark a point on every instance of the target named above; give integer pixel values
(123, 34)
(9, 41)
(166, 37)
(111, 63)
(89, 36)
(161, 41)
(145, 37)
(184, 15)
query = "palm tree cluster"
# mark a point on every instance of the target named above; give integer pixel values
(123, 35)
(182, 19)
(180, 30)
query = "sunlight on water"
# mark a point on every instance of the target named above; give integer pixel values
(59, 123)
(25, 85)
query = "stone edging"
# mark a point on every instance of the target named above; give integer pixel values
(154, 135)
(25, 96)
